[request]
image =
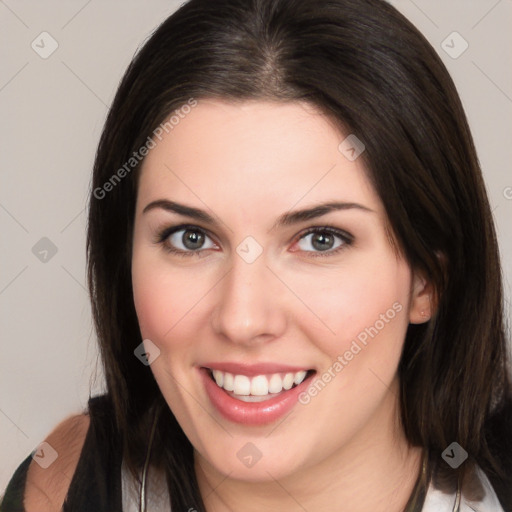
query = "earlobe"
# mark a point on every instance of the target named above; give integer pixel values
(421, 306)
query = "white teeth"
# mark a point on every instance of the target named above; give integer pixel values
(229, 382)
(276, 384)
(288, 381)
(219, 377)
(242, 385)
(251, 398)
(259, 385)
(300, 376)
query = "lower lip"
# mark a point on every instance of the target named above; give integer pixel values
(251, 413)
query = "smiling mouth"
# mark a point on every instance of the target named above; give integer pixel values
(258, 388)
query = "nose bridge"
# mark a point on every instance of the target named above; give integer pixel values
(248, 302)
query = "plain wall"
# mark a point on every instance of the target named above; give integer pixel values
(52, 111)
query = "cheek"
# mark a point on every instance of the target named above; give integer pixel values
(169, 303)
(154, 297)
(376, 304)
(367, 308)
(161, 298)
(363, 301)
(150, 304)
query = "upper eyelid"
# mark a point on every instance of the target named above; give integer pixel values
(168, 231)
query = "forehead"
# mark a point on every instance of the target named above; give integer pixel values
(251, 155)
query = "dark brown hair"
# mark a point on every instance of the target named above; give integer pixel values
(368, 68)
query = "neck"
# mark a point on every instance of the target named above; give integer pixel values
(376, 471)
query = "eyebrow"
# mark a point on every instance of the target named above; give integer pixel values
(287, 219)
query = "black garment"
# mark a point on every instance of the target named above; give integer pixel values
(96, 484)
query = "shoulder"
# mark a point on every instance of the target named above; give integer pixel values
(48, 478)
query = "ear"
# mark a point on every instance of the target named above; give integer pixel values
(422, 304)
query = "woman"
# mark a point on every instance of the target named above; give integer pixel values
(294, 277)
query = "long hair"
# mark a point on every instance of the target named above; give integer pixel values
(368, 68)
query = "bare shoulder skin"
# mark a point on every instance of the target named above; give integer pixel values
(46, 488)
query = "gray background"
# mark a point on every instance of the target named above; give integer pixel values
(52, 111)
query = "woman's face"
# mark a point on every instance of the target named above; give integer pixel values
(253, 294)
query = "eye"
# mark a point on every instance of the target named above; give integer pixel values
(189, 240)
(185, 240)
(325, 241)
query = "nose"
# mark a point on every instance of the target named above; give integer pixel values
(250, 303)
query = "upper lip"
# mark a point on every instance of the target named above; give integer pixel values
(252, 370)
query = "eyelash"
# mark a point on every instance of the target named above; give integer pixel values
(346, 238)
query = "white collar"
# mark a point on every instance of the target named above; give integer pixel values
(439, 501)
